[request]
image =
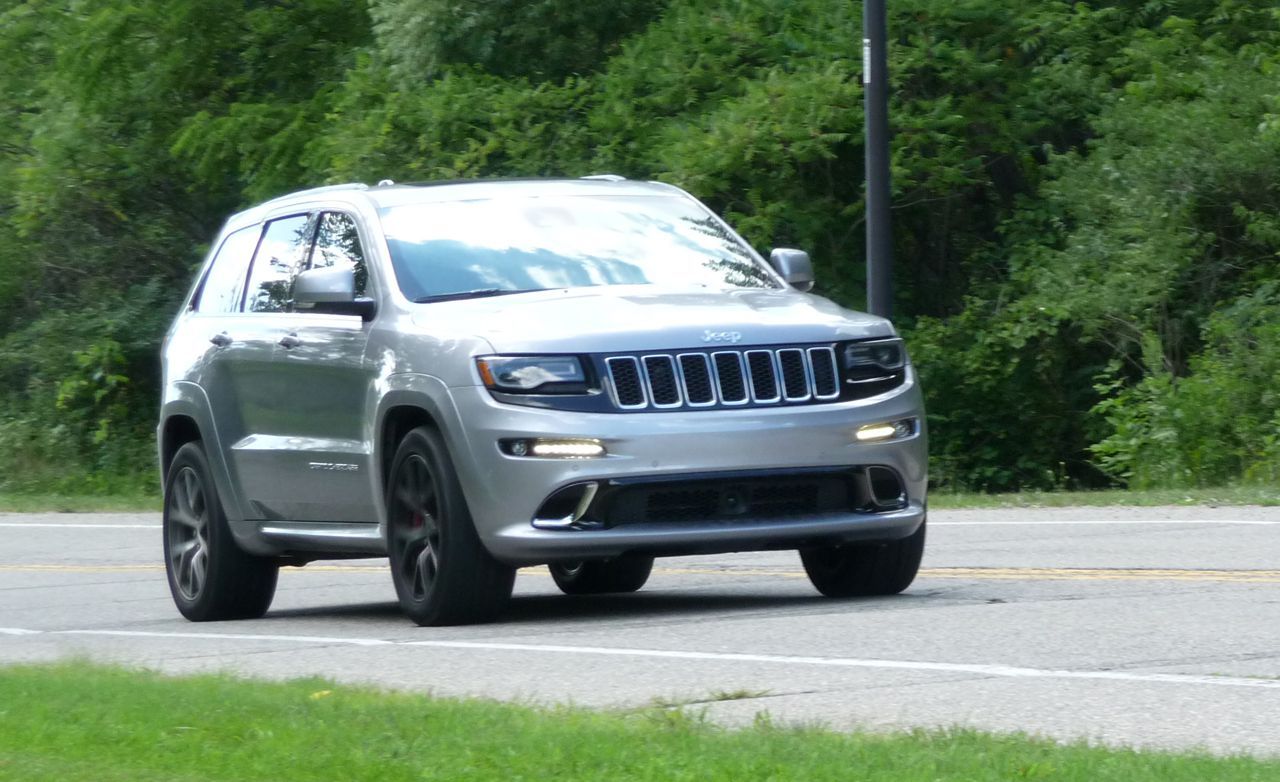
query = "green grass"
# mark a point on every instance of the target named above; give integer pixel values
(1231, 495)
(74, 721)
(49, 502)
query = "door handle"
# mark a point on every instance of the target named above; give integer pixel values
(220, 339)
(290, 341)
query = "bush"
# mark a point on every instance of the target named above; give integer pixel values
(1218, 424)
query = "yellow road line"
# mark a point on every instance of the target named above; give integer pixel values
(979, 573)
(1109, 574)
(1030, 574)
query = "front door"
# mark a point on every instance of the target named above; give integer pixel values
(322, 451)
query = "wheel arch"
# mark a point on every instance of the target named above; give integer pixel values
(398, 421)
(413, 400)
(176, 431)
(185, 417)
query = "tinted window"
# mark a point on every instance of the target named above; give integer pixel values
(279, 258)
(225, 281)
(515, 244)
(338, 244)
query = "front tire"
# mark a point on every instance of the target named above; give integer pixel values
(865, 569)
(626, 573)
(210, 577)
(442, 573)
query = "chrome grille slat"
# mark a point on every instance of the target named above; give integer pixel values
(626, 382)
(696, 379)
(825, 374)
(763, 366)
(663, 381)
(794, 389)
(731, 377)
(724, 378)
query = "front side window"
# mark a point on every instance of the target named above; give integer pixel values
(506, 245)
(338, 245)
(224, 284)
(279, 259)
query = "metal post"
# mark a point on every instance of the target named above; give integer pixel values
(875, 78)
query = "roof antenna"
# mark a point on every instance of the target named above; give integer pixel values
(386, 182)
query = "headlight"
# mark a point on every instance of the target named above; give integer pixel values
(533, 374)
(886, 354)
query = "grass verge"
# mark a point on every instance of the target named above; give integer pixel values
(49, 502)
(74, 721)
(1231, 495)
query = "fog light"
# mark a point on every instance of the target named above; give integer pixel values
(555, 448)
(579, 449)
(890, 430)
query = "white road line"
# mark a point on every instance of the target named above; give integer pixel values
(79, 526)
(1116, 522)
(303, 639)
(1007, 671)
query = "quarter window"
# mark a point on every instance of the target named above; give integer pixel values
(225, 282)
(279, 258)
(338, 245)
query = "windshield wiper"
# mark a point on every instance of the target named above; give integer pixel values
(478, 293)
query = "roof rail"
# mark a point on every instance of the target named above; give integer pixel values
(606, 177)
(325, 189)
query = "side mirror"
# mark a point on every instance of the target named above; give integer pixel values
(331, 290)
(794, 266)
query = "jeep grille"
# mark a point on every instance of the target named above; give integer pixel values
(753, 376)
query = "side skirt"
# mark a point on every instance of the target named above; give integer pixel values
(323, 540)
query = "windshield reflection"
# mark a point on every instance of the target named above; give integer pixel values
(440, 250)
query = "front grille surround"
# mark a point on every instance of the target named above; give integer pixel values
(751, 376)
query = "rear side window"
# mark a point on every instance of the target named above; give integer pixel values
(279, 258)
(225, 282)
(338, 244)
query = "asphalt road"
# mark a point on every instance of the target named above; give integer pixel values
(1144, 627)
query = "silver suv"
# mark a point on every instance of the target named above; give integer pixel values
(475, 377)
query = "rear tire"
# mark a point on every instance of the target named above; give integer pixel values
(626, 573)
(442, 573)
(865, 569)
(210, 577)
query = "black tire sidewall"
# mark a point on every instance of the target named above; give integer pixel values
(866, 569)
(626, 573)
(469, 585)
(237, 585)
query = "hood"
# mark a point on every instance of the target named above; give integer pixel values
(638, 318)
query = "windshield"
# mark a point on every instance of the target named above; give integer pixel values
(457, 249)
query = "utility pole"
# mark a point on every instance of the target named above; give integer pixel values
(875, 80)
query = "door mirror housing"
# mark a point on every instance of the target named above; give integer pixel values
(794, 266)
(330, 290)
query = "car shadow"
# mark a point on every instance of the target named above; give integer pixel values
(557, 609)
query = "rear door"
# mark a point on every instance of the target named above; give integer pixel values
(207, 343)
(252, 399)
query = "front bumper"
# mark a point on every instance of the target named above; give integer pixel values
(505, 492)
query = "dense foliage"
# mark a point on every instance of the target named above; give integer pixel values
(1087, 207)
